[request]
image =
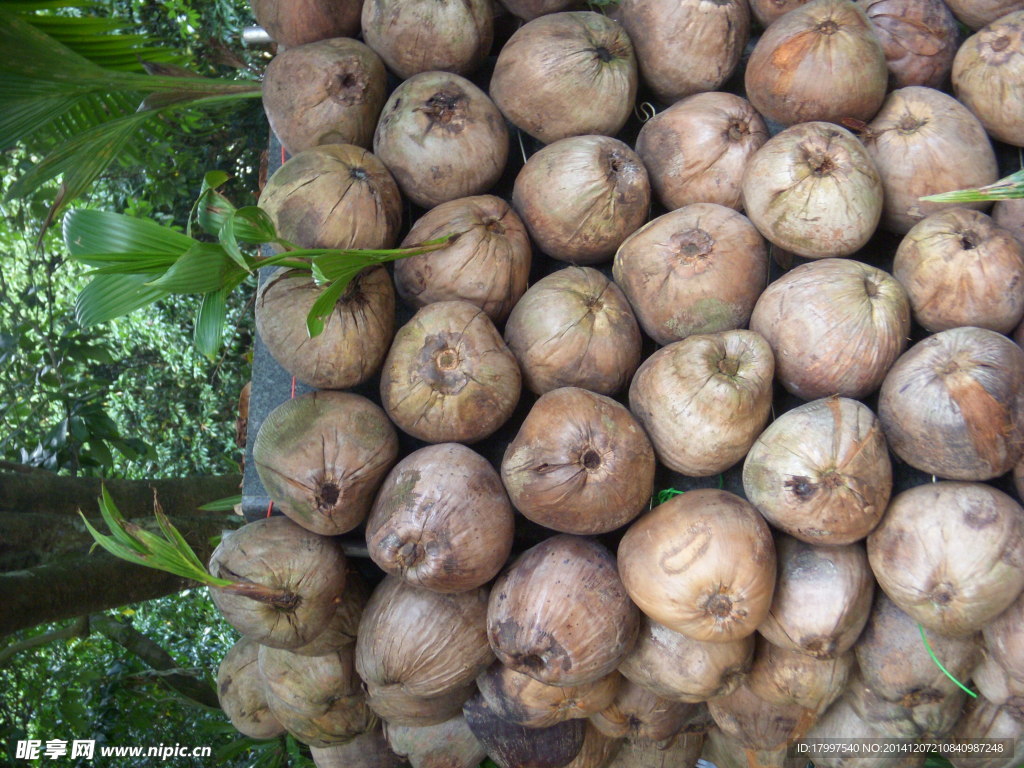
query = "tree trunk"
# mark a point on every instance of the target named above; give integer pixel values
(74, 585)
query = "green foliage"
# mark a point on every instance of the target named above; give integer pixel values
(1007, 188)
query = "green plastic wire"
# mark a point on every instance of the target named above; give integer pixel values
(939, 663)
(666, 494)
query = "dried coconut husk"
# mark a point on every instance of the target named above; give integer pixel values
(421, 643)
(292, 577)
(924, 142)
(920, 38)
(321, 457)
(928, 716)
(560, 614)
(823, 62)
(821, 472)
(1004, 639)
(987, 74)
(575, 328)
(705, 399)
(516, 746)
(983, 720)
(398, 707)
(782, 676)
(580, 197)
(836, 326)
(681, 751)
(977, 13)
(598, 750)
(637, 714)
(896, 665)
(520, 699)
(822, 598)
(676, 667)
(446, 745)
(296, 22)
(344, 624)
(1009, 214)
(414, 36)
(328, 92)
(487, 264)
(449, 376)
(956, 266)
(953, 405)
(996, 684)
(758, 725)
(345, 718)
(368, 750)
(241, 695)
(686, 47)
(725, 752)
(695, 151)
(918, 554)
(566, 74)
(356, 335)
(580, 463)
(724, 548)
(442, 520)
(698, 269)
(334, 196)
(767, 11)
(842, 723)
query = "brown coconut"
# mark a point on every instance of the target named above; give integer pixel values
(917, 554)
(994, 683)
(953, 405)
(398, 707)
(977, 13)
(328, 92)
(930, 715)
(637, 714)
(679, 752)
(446, 745)
(322, 456)
(988, 72)
(296, 22)
(442, 138)
(560, 614)
(724, 548)
(531, 9)
(698, 269)
(704, 400)
(767, 11)
(515, 746)
(1009, 214)
(575, 328)
(598, 750)
(441, 520)
(520, 699)
(1004, 640)
(757, 724)
(487, 264)
(368, 750)
(581, 196)
(344, 624)
(984, 720)
(920, 38)
(240, 692)
(841, 722)
(449, 376)
(580, 463)
(695, 151)
(724, 751)
(787, 677)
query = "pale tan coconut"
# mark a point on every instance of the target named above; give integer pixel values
(446, 745)
(638, 714)
(783, 676)
(241, 695)
(520, 699)
(757, 724)
(987, 76)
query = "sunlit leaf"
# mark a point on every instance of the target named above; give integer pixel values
(324, 304)
(202, 268)
(92, 232)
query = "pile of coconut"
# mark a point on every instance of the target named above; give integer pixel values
(687, 249)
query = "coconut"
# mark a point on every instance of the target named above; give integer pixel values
(520, 699)
(421, 643)
(928, 715)
(988, 72)
(917, 554)
(813, 189)
(291, 451)
(516, 746)
(755, 723)
(355, 337)
(787, 677)
(698, 269)
(566, 74)
(984, 720)
(679, 752)
(449, 376)
(638, 714)
(487, 263)
(580, 197)
(1004, 640)
(767, 11)
(822, 598)
(446, 745)
(823, 62)
(580, 463)
(695, 151)
(704, 400)
(977, 13)
(575, 328)
(841, 723)
(959, 269)
(924, 142)
(821, 472)
(725, 752)
(334, 196)
(724, 548)
(920, 39)
(442, 138)
(531, 9)
(675, 667)
(368, 750)
(995, 684)
(836, 326)
(295, 22)
(414, 36)
(328, 92)
(441, 520)
(285, 572)
(1009, 214)
(560, 613)
(952, 405)
(344, 624)
(597, 751)
(240, 692)
(398, 707)
(686, 47)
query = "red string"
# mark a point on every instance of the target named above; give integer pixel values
(283, 158)
(293, 387)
